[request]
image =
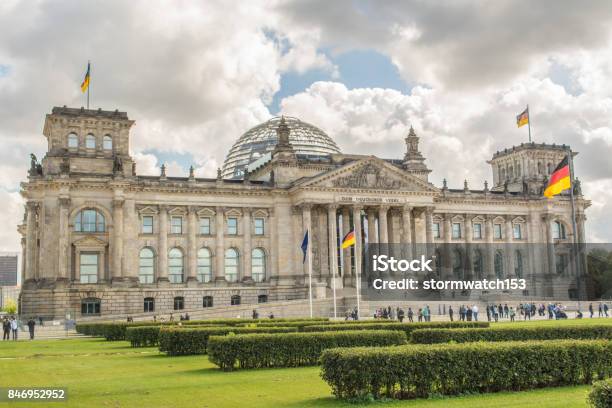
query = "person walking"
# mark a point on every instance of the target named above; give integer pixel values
(450, 313)
(400, 314)
(591, 310)
(255, 314)
(475, 312)
(420, 315)
(600, 311)
(488, 313)
(6, 329)
(511, 313)
(31, 324)
(468, 313)
(410, 315)
(14, 327)
(605, 309)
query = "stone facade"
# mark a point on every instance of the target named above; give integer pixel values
(97, 233)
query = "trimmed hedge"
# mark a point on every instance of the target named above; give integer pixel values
(185, 341)
(601, 394)
(450, 369)
(143, 336)
(291, 349)
(430, 336)
(405, 327)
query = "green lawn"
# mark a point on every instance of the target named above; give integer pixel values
(111, 374)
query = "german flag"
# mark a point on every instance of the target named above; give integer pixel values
(559, 179)
(523, 118)
(348, 240)
(85, 83)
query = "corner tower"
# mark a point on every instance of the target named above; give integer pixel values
(86, 141)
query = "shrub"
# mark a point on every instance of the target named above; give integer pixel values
(450, 369)
(143, 336)
(405, 327)
(601, 394)
(290, 349)
(183, 341)
(429, 336)
(268, 322)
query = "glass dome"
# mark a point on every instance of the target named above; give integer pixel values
(255, 146)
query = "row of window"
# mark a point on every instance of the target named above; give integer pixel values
(92, 306)
(204, 265)
(510, 172)
(90, 141)
(176, 225)
(477, 231)
(91, 220)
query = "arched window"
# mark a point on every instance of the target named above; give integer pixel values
(107, 142)
(73, 141)
(478, 263)
(146, 271)
(90, 141)
(540, 168)
(175, 265)
(231, 265)
(499, 264)
(559, 230)
(204, 265)
(90, 306)
(518, 264)
(89, 220)
(235, 300)
(149, 304)
(258, 265)
(458, 270)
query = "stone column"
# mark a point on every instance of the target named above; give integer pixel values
(192, 258)
(219, 270)
(246, 247)
(372, 233)
(162, 256)
(117, 253)
(429, 238)
(358, 241)
(307, 226)
(333, 241)
(447, 266)
(346, 253)
(550, 244)
(509, 247)
(274, 242)
(490, 254)
(468, 232)
(406, 241)
(31, 238)
(63, 252)
(383, 224)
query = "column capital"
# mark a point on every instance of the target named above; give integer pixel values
(247, 211)
(64, 202)
(220, 209)
(192, 209)
(306, 206)
(163, 207)
(429, 209)
(118, 202)
(32, 205)
(332, 207)
(357, 207)
(383, 207)
(406, 208)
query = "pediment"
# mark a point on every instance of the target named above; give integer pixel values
(89, 241)
(206, 212)
(147, 210)
(370, 173)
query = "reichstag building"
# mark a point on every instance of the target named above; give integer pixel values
(100, 239)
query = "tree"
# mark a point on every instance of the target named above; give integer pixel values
(10, 306)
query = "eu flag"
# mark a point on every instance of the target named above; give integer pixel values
(305, 245)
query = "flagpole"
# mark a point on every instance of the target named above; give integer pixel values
(575, 229)
(529, 122)
(89, 84)
(309, 255)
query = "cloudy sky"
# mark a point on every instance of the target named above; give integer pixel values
(196, 74)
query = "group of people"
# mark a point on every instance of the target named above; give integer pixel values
(423, 314)
(10, 325)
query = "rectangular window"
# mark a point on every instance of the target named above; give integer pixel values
(497, 231)
(177, 225)
(179, 303)
(207, 301)
(89, 268)
(436, 230)
(477, 231)
(149, 305)
(232, 226)
(456, 230)
(147, 224)
(205, 226)
(517, 233)
(259, 226)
